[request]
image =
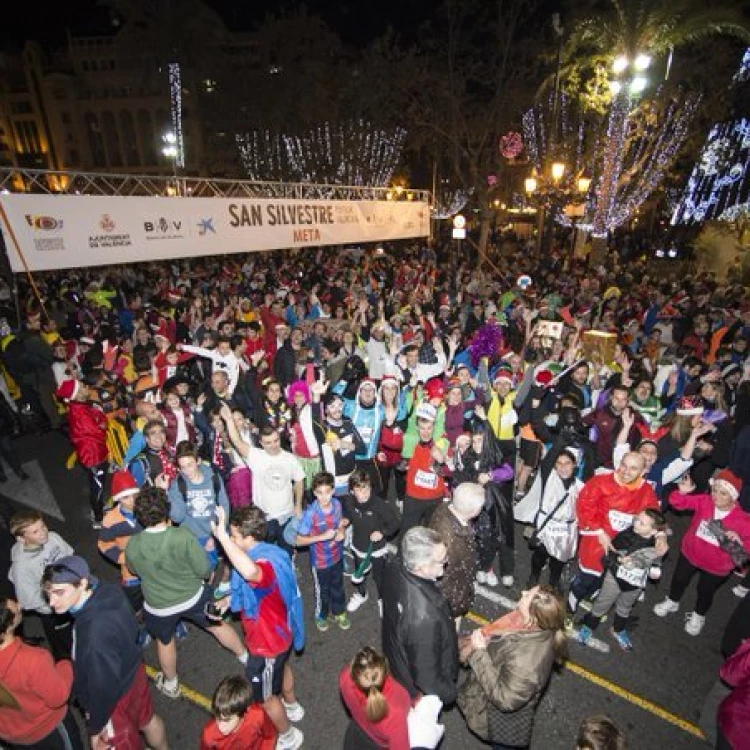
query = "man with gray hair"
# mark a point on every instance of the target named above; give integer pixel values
(419, 635)
(453, 521)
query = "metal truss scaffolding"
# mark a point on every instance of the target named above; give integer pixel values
(91, 183)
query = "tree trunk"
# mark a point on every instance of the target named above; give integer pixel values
(485, 218)
(599, 249)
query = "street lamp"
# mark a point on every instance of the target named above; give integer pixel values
(170, 150)
(554, 190)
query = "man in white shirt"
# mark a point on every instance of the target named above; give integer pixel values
(222, 358)
(278, 478)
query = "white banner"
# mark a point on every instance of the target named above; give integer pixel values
(70, 231)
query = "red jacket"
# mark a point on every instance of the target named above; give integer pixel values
(88, 433)
(40, 686)
(734, 710)
(606, 505)
(699, 544)
(256, 732)
(392, 732)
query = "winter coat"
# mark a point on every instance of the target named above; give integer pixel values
(699, 544)
(734, 710)
(457, 583)
(88, 433)
(499, 697)
(419, 634)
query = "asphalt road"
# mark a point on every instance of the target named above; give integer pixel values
(668, 669)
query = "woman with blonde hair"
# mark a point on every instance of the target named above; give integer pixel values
(378, 704)
(510, 663)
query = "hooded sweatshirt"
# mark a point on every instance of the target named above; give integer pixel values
(368, 420)
(27, 568)
(106, 653)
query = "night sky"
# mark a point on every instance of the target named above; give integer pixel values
(356, 21)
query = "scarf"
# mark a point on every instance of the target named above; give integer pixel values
(218, 457)
(167, 466)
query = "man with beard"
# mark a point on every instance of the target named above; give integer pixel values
(337, 437)
(608, 422)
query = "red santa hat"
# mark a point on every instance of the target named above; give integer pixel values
(729, 481)
(435, 388)
(68, 389)
(123, 484)
(503, 374)
(690, 406)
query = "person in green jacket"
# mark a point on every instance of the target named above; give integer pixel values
(173, 568)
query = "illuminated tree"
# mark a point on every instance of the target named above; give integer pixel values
(635, 35)
(350, 153)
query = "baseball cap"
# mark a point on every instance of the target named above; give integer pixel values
(71, 569)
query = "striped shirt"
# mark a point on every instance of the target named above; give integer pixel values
(315, 522)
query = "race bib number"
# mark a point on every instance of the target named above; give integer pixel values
(557, 529)
(427, 480)
(620, 521)
(634, 576)
(366, 434)
(704, 532)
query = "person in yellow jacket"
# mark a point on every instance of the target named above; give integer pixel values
(501, 413)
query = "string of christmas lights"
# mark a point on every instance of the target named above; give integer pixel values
(175, 106)
(448, 201)
(350, 153)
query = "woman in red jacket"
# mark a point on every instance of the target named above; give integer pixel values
(378, 704)
(719, 528)
(34, 701)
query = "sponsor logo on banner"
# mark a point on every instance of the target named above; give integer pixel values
(110, 239)
(44, 223)
(164, 229)
(206, 226)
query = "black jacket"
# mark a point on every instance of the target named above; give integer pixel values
(419, 634)
(107, 655)
(374, 515)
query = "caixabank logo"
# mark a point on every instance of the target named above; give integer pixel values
(107, 237)
(163, 228)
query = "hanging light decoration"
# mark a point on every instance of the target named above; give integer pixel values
(175, 106)
(511, 145)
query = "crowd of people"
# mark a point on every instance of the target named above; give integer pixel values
(402, 421)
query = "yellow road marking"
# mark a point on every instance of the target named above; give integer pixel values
(621, 692)
(193, 696)
(204, 702)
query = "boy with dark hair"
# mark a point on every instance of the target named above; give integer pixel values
(173, 568)
(109, 678)
(266, 594)
(322, 528)
(372, 520)
(600, 733)
(236, 723)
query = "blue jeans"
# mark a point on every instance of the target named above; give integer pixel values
(329, 590)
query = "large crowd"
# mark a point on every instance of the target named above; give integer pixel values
(400, 421)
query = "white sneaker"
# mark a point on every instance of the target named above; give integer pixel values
(294, 712)
(481, 577)
(169, 691)
(667, 607)
(356, 601)
(740, 591)
(491, 578)
(290, 740)
(507, 581)
(694, 623)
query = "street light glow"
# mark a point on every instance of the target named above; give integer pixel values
(169, 151)
(584, 183)
(459, 221)
(621, 62)
(169, 137)
(616, 87)
(530, 185)
(558, 170)
(642, 62)
(638, 84)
